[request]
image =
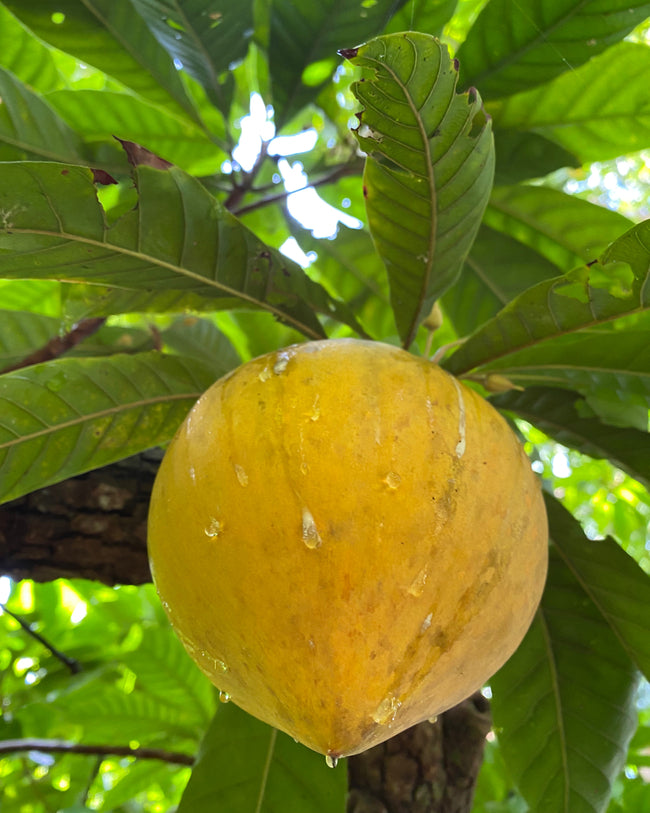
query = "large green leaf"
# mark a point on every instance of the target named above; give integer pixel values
(588, 111)
(100, 115)
(68, 416)
(43, 296)
(29, 128)
(111, 36)
(613, 581)
(178, 238)
(428, 16)
(564, 229)
(515, 46)
(199, 338)
(496, 270)
(615, 286)
(567, 418)
(521, 156)
(613, 368)
(304, 40)
(207, 39)
(429, 168)
(248, 766)
(563, 704)
(26, 57)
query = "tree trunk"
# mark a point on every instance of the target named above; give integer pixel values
(94, 527)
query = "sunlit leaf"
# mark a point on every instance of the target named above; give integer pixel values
(588, 111)
(563, 704)
(304, 40)
(564, 416)
(515, 46)
(26, 57)
(429, 168)
(428, 16)
(614, 286)
(111, 36)
(246, 765)
(178, 238)
(65, 417)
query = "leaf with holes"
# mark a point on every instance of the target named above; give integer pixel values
(429, 169)
(303, 42)
(567, 418)
(617, 285)
(515, 46)
(247, 765)
(68, 416)
(30, 128)
(563, 704)
(178, 238)
(588, 111)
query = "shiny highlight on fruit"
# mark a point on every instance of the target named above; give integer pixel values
(347, 540)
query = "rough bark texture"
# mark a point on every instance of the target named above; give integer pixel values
(94, 527)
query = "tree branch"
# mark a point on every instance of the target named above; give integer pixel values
(70, 663)
(59, 345)
(63, 747)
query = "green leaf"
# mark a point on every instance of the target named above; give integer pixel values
(26, 57)
(21, 333)
(164, 670)
(142, 775)
(178, 238)
(111, 36)
(589, 111)
(496, 270)
(200, 339)
(613, 581)
(615, 286)
(566, 230)
(100, 115)
(563, 705)
(29, 128)
(524, 155)
(561, 415)
(207, 39)
(429, 168)
(247, 765)
(429, 16)
(43, 296)
(515, 46)
(591, 362)
(68, 416)
(304, 40)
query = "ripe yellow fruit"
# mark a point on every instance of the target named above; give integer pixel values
(347, 540)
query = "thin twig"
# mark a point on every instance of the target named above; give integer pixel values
(70, 663)
(241, 189)
(63, 747)
(351, 168)
(59, 345)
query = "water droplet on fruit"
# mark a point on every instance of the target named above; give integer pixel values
(192, 474)
(460, 446)
(417, 586)
(213, 528)
(241, 475)
(331, 761)
(314, 415)
(282, 359)
(392, 480)
(310, 535)
(386, 710)
(426, 623)
(265, 374)
(433, 720)
(224, 697)
(221, 665)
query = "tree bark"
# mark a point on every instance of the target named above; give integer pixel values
(94, 527)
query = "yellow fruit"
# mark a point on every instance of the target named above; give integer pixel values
(347, 540)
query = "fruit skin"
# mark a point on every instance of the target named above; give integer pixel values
(347, 540)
